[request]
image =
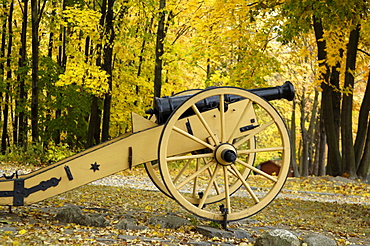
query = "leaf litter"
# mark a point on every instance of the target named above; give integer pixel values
(333, 206)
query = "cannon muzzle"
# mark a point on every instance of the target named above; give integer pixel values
(163, 107)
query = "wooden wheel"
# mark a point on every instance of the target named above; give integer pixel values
(154, 173)
(152, 167)
(217, 154)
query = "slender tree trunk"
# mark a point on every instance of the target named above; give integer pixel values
(293, 142)
(322, 150)
(35, 71)
(311, 132)
(20, 129)
(364, 166)
(305, 138)
(5, 110)
(93, 136)
(8, 78)
(362, 124)
(316, 138)
(62, 61)
(334, 158)
(349, 163)
(159, 50)
(107, 66)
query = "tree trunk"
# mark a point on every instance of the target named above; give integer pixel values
(334, 166)
(6, 96)
(8, 78)
(305, 138)
(20, 128)
(293, 142)
(311, 132)
(364, 166)
(322, 149)
(159, 50)
(35, 71)
(362, 124)
(62, 61)
(316, 157)
(349, 163)
(93, 136)
(107, 66)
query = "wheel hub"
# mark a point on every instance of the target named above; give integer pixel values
(225, 154)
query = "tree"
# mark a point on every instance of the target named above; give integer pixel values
(159, 49)
(8, 76)
(338, 37)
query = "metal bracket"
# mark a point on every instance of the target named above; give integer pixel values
(11, 176)
(225, 211)
(19, 192)
(247, 128)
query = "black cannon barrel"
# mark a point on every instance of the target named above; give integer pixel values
(163, 107)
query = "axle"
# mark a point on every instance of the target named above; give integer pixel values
(163, 107)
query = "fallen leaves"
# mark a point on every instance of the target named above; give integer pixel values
(346, 222)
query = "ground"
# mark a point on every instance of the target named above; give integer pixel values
(335, 207)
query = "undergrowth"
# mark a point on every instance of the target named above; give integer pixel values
(36, 155)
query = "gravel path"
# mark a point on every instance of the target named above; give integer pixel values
(145, 183)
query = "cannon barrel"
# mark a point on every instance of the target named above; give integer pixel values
(163, 107)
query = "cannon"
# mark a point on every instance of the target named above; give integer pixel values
(199, 148)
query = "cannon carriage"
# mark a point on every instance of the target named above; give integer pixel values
(199, 148)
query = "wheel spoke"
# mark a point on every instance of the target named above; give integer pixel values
(205, 124)
(193, 137)
(252, 133)
(222, 118)
(248, 151)
(257, 170)
(227, 191)
(246, 185)
(237, 127)
(195, 185)
(188, 157)
(181, 171)
(202, 201)
(191, 177)
(218, 191)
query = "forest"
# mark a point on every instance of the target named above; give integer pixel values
(72, 71)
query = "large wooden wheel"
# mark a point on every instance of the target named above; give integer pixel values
(210, 177)
(154, 173)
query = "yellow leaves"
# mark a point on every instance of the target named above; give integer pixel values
(21, 232)
(85, 19)
(85, 75)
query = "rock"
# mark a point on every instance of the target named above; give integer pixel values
(212, 232)
(318, 240)
(73, 214)
(97, 220)
(128, 222)
(169, 221)
(239, 233)
(9, 228)
(277, 237)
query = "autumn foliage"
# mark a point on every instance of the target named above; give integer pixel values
(73, 71)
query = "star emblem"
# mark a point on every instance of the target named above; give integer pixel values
(95, 167)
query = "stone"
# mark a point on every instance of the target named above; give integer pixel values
(239, 233)
(128, 222)
(74, 214)
(169, 221)
(212, 232)
(9, 228)
(318, 240)
(277, 237)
